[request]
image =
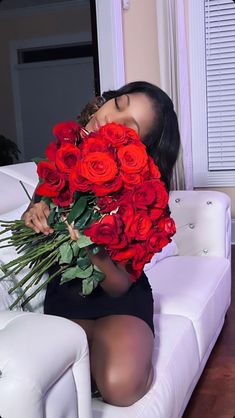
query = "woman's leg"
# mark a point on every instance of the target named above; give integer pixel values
(121, 354)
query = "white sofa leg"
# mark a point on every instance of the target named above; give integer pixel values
(35, 352)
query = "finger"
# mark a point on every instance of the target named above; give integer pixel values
(29, 222)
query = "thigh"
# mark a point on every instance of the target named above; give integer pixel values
(121, 354)
(88, 326)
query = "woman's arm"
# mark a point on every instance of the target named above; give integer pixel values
(117, 280)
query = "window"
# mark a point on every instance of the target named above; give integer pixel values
(212, 74)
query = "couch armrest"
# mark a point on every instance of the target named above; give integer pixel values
(35, 352)
(203, 222)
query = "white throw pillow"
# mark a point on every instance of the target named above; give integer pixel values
(168, 251)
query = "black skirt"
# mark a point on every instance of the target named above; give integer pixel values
(66, 300)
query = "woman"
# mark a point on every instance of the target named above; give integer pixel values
(118, 316)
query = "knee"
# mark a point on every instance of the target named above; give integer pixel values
(123, 388)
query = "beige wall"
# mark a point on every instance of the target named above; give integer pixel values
(141, 51)
(65, 21)
(140, 41)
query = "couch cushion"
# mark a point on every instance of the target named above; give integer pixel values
(175, 369)
(196, 287)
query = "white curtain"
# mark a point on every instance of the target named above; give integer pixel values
(174, 79)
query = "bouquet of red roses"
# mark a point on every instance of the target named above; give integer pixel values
(107, 187)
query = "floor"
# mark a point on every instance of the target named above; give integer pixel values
(214, 396)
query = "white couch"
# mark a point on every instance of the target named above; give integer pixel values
(44, 360)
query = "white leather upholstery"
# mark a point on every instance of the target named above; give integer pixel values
(36, 351)
(191, 294)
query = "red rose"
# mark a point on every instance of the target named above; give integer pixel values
(67, 132)
(107, 187)
(156, 241)
(94, 143)
(98, 167)
(139, 259)
(106, 204)
(65, 197)
(144, 195)
(67, 157)
(53, 180)
(153, 169)
(140, 226)
(132, 158)
(108, 231)
(132, 136)
(126, 211)
(166, 224)
(162, 198)
(114, 134)
(77, 182)
(51, 150)
(131, 179)
(123, 255)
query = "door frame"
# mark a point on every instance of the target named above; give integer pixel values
(110, 44)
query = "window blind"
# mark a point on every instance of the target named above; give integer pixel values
(220, 83)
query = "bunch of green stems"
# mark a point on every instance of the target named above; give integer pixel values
(39, 253)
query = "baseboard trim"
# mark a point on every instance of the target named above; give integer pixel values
(233, 232)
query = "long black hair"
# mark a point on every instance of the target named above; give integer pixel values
(163, 140)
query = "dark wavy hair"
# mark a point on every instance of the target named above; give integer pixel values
(163, 140)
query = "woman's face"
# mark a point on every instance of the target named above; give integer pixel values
(134, 110)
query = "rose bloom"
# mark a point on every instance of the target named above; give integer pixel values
(127, 212)
(131, 179)
(51, 150)
(106, 204)
(108, 231)
(108, 187)
(156, 241)
(153, 169)
(67, 157)
(53, 180)
(166, 224)
(98, 167)
(114, 134)
(140, 226)
(132, 158)
(65, 197)
(144, 195)
(78, 182)
(94, 143)
(67, 132)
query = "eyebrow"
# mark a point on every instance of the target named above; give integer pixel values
(134, 121)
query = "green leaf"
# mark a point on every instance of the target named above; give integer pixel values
(95, 216)
(66, 253)
(81, 222)
(51, 217)
(84, 241)
(77, 209)
(75, 248)
(68, 275)
(83, 263)
(60, 226)
(97, 276)
(87, 286)
(75, 272)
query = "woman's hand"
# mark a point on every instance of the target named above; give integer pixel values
(36, 216)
